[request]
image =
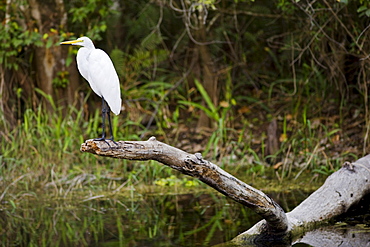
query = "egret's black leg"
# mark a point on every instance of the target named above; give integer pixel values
(103, 112)
(106, 112)
(110, 127)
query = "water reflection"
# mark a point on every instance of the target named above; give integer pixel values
(149, 220)
(152, 220)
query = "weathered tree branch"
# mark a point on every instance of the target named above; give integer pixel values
(341, 190)
(194, 165)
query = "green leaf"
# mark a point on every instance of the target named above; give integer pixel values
(69, 61)
(201, 107)
(46, 96)
(207, 99)
(362, 8)
(17, 42)
(49, 43)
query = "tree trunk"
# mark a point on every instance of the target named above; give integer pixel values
(208, 79)
(341, 190)
(50, 60)
(204, 71)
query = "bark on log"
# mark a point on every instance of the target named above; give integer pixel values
(341, 190)
(330, 236)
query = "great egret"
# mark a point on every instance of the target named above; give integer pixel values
(97, 68)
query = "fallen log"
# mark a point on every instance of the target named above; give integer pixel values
(341, 190)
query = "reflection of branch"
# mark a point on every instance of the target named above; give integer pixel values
(339, 236)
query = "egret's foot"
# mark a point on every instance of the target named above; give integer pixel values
(111, 139)
(105, 140)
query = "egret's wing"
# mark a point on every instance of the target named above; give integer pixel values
(82, 63)
(103, 79)
(83, 66)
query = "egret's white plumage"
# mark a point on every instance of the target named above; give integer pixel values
(97, 68)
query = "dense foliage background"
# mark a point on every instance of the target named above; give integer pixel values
(281, 83)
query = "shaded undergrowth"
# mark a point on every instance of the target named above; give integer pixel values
(287, 107)
(41, 154)
(269, 132)
(82, 197)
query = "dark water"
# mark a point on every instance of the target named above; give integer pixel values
(193, 219)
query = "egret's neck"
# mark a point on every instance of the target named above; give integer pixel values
(88, 44)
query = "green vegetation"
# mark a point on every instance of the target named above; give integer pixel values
(307, 76)
(273, 90)
(42, 153)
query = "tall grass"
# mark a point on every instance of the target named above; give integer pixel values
(42, 153)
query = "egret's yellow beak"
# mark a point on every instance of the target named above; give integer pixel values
(71, 42)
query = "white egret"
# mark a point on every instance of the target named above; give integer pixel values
(97, 68)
